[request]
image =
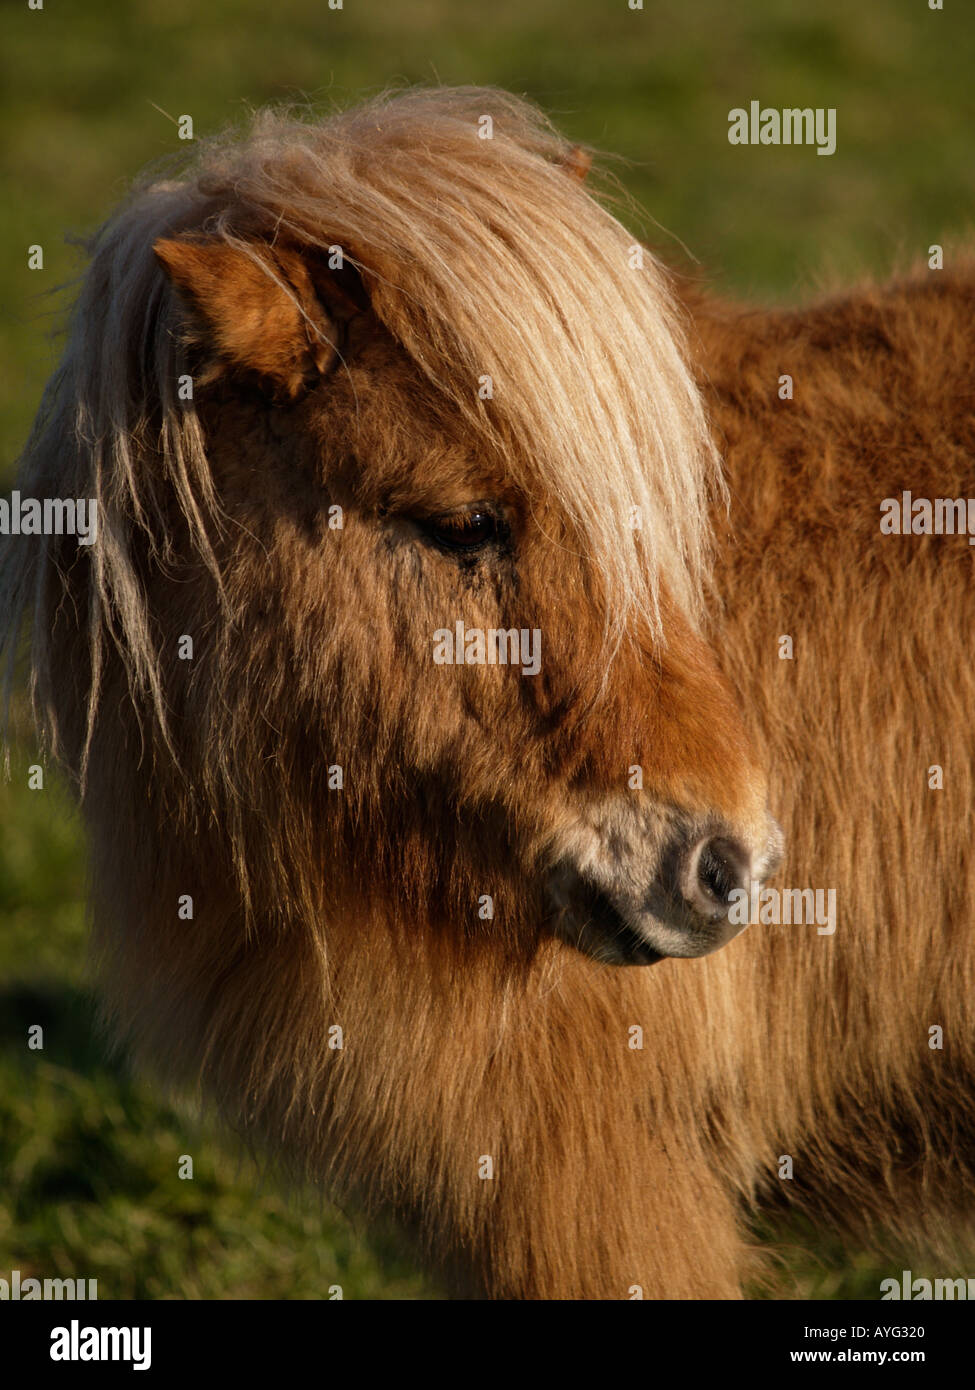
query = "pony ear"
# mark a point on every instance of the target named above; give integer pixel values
(273, 312)
(577, 162)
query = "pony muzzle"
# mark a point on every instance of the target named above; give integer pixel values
(683, 913)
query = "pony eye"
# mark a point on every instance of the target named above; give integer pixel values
(464, 531)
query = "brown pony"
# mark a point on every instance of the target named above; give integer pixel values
(424, 749)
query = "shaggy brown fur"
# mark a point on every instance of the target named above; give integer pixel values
(314, 905)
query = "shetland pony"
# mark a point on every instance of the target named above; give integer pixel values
(443, 932)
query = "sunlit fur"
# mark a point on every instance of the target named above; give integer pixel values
(614, 1168)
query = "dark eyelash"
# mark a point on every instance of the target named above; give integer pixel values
(466, 532)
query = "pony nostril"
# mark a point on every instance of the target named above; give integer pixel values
(717, 868)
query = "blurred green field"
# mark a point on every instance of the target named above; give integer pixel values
(88, 1154)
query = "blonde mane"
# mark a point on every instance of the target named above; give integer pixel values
(481, 256)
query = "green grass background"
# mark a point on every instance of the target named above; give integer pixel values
(88, 1153)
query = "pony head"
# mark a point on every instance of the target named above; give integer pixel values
(404, 492)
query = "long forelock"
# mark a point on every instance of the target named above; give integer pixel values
(485, 258)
